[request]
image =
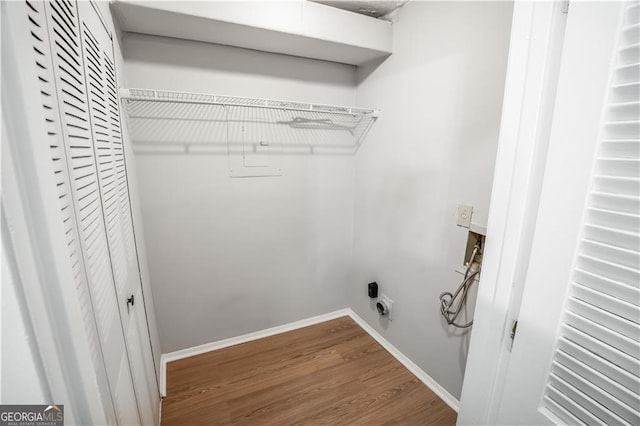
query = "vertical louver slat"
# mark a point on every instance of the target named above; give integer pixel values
(595, 377)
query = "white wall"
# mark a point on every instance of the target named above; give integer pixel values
(434, 146)
(22, 378)
(231, 256)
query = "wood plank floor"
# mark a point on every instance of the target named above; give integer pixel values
(331, 373)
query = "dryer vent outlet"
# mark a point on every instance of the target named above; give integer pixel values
(384, 306)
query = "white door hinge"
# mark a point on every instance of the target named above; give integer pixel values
(565, 7)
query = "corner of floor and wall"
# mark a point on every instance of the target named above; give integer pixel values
(440, 94)
(304, 245)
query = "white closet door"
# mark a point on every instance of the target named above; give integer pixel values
(596, 366)
(576, 355)
(143, 369)
(99, 69)
(36, 15)
(105, 129)
(76, 173)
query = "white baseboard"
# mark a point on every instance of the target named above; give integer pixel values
(429, 382)
(163, 378)
(232, 341)
(402, 358)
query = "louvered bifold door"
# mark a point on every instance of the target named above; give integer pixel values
(76, 173)
(105, 122)
(596, 367)
(62, 23)
(102, 94)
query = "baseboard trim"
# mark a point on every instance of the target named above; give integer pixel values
(428, 381)
(163, 377)
(395, 352)
(232, 341)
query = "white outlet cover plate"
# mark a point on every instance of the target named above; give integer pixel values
(464, 215)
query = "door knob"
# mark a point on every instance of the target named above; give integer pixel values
(130, 300)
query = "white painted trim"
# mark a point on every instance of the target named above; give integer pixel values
(535, 49)
(163, 378)
(232, 341)
(428, 381)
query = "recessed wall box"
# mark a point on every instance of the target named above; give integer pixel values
(474, 239)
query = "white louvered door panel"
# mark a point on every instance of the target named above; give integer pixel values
(138, 336)
(96, 46)
(99, 69)
(77, 155)
(576, 354)
(595, 375)
(143, 368)
(36, 14)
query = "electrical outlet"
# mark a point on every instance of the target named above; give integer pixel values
(385, 306)
(464, 215)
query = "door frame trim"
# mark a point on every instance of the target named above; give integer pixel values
(535, 50)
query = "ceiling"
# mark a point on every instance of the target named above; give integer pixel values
(376, 9)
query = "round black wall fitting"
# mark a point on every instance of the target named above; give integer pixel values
(382, 307)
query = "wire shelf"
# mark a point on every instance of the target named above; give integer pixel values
(164, 118)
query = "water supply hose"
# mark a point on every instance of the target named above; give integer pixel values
(459, 298)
